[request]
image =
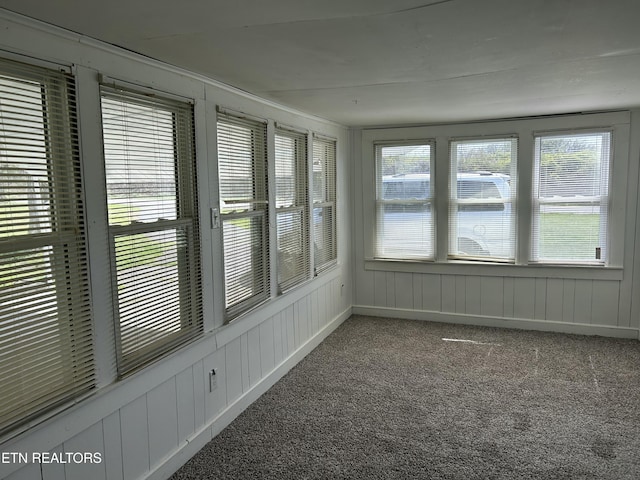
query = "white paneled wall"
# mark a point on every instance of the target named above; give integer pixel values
(155, 433)
(496, 299)
(589, 300)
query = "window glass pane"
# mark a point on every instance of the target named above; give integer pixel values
(141, 166)
(481, 204)
(292, 224)
(571, 197)
(404, 207)
(324, 204)
(244, 206)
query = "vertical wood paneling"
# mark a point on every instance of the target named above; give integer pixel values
(508, 289)
(185, 402)
(305, 321)
(555, 299)
(314, 310)
(233, 365)
(279, 338)
(291, 330)
(524, 293)
(540, 307)
(380, 289)
(605, 303)
(162, 413)
(364, 288)
(461, 293)
(112, 446)
(390, 278)
(253, 354)
(404, 290)
(492, 298)
(431, 292)
(215, 400)
(473, 295)
(297, 325)
(198, 393)
(568, 299)
(90, 440)
(582, 304)
(267, 347)
(448, 293)
(55, 471)
(244, 357)
(28, 472)
(135, 438)
(417, 291)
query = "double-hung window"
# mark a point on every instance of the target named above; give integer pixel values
(571, 197)
(242, 167)
(292, 208)
(404, 201)
(150, 170)
(46, 346)
(324, 203)
(482, 193)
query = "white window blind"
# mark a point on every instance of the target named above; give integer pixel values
(242, 165)
(404, 201)
(153, 223)
(292, 210)
(571, 197)
(46, 353)
(482, 193)
(324, 203)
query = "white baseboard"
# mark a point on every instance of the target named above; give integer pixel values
(503, 322)
(180, 456)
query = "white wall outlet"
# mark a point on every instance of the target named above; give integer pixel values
(213, 380)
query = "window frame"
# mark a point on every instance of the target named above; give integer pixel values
(537, 202)
(259, 207)
(381, 203)
(326, 150)
(299, 205)
(186, 226)
(68, 261)
(524, 129)
(512, 199)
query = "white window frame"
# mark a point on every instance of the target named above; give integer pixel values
(324, 152)
(251, 209)
(48, 388)
(189, 283)
(524, 129)
(299, 206)
(455, 203)
(382, 204)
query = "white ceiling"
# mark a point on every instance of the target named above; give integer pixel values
(382, 62)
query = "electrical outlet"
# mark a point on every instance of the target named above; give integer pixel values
(213, 380)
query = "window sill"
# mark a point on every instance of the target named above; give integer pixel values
(461, 267)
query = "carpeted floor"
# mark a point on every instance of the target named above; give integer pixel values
(398, 399)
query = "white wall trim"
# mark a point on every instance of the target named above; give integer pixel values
(501, 322)
(189, 448)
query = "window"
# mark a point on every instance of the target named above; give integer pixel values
(324, 203)
(153, 224)
(571, 197)
(482, 194)
(404, 202)
(242, 166)
(292, 211)
(46, 353)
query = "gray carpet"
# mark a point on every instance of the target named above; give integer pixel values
(390, 399)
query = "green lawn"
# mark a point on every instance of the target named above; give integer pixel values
(569, 236)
